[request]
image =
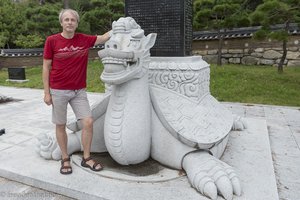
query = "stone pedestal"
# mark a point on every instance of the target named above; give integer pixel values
(248, 152)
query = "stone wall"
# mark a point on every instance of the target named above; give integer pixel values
(235, 51)
(248, 51)
(26, 61)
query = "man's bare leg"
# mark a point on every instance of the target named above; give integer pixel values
(86, 140)
(62, 140)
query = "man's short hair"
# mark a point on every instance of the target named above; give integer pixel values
(63, 11)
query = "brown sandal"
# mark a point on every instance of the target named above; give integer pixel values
(68, 168)
(84, 164)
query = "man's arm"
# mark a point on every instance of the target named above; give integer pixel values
(46, 71)
(101, 39)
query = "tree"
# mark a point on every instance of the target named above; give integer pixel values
(273, 12)
(29, 41)
(26, 24)
(40, 22)
(12, 22)
(219, 15)
(251, 4)
(97, 15)
(103, 14)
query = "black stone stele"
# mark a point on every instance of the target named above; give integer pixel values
(170, 19)
(16, 74)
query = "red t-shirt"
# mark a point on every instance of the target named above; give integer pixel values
(69, 60)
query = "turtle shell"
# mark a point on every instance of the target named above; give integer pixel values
(200, 124)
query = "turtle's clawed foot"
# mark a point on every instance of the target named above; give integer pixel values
(211, 176)
(239, 123)
(47, 146)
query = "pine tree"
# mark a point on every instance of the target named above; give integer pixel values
(273, 12)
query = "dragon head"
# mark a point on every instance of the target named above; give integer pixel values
(126, 54)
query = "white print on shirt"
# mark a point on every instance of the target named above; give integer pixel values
(71, 51)
(71, 48)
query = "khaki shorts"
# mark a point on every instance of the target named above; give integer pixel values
(76, 98)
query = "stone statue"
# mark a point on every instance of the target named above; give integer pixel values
(159, 107)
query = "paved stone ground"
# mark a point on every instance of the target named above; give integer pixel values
(13, 190)
(283, 125)
(284, 133)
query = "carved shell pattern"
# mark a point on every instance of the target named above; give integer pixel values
(181, 78)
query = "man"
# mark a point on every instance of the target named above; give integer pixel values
(64, 78)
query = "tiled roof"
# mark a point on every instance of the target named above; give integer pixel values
(29, 52)
(245, 32)
(21, 52)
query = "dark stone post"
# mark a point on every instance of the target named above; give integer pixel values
(170, 19)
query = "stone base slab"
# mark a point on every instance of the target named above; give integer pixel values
(248, 151)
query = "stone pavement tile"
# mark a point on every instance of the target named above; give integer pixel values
(297, 138)
(29, 129)
(292, 116)
(17, 139)
(12, 130)
(255, 111)
(4, 146)
(286, 155)
(246, 110)
(38, 194)
(7, 123)
(275, 115)
(12, 187)
(14, 190)
(289, 183)
(6, 135)
(237, 109)
(12, 149)
(283, 141)
(19, 93)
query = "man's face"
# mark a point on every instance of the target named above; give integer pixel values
(69, 22)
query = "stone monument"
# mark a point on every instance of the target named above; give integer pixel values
(17, 75)
(170, 19)
(161, 108)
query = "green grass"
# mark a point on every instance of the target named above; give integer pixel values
(231, 83)
(34, 74)
(256, 84)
